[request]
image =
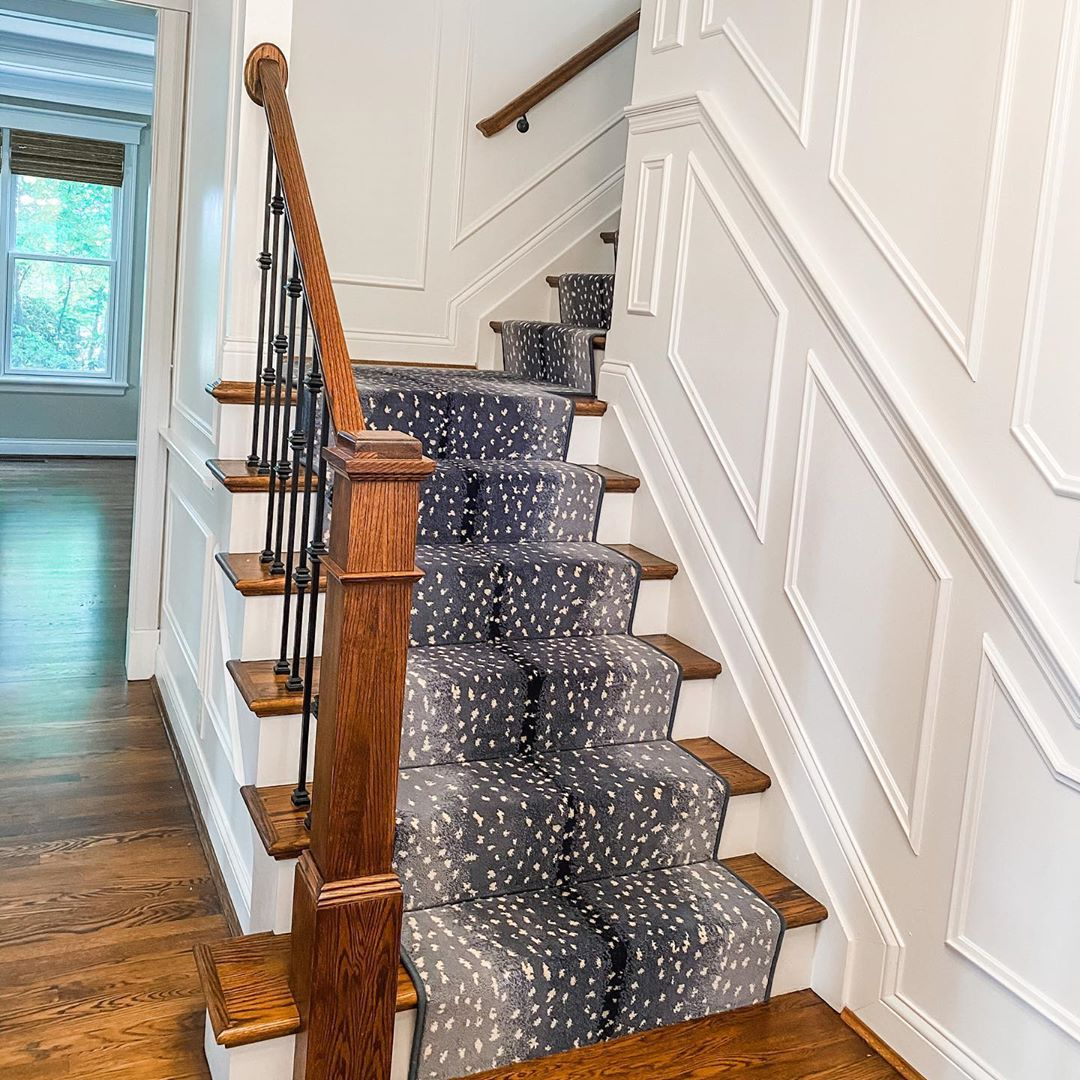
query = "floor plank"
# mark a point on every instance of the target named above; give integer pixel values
(104, 888)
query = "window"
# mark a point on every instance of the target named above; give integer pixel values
(65, 226)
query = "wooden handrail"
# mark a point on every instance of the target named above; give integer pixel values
(520, 106)
(266, 75)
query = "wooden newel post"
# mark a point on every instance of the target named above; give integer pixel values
(347, 900)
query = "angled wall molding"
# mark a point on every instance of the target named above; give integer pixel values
(1062, 114)
(755, 502)
(650, 230)
(961, 332)
(909, 806)
(997, 684)
(1055, 655)
(795, 114)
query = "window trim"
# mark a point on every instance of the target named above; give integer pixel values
(115, 379)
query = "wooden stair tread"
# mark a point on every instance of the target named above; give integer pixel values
(797, 906)
(610, 237)
(250, 577)
(237, 476)
(615, 481)
(694, 664)
(263, 691)
(791, 1037)
(599, 340)
(234, 392)
(246, 984)
(265, 694)
(653, 568)
(742, 777)
(281, 829)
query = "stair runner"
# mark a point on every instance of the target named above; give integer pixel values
(556, 849)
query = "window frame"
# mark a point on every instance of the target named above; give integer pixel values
(114, 379)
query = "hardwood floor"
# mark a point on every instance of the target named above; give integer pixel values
(104, 888)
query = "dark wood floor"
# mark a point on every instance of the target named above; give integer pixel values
(103, 885)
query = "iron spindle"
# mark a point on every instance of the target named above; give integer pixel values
(277, 270)
(281, 348)
(264, 263)
(296, 444)
(301, 797)
(284, 463)
(313, 386)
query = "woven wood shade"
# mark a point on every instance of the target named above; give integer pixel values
(65, 157)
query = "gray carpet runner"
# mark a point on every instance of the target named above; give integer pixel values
(556, 849)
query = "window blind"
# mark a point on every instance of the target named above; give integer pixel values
(66, 157)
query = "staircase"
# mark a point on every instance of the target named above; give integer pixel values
(575, 853)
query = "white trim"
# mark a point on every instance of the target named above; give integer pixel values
(64, 122)
(21, 384)
(67, 448)
(755, 506)
(661, 40)
(911, 814)
(797, 117)
(155, 365)
(964, 341)
(1050, 647)
(995, 678)
(1062, 113)
(640, 301)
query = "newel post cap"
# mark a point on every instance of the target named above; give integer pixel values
(378, 455)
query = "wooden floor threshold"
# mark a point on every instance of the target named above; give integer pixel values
(792, 1037)
(266, 694)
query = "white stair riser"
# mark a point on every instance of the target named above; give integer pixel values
(273, 1060)
(255, 621)
(272, 879)
(234, 435)
(247, 520)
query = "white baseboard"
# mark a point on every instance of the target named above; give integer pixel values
(141, 653)
(67, 448)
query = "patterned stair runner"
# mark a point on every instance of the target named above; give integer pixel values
(557, 850)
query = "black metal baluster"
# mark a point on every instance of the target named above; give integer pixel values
(281, 346)
(277, 270)
(284, 463)
(313, 386)
(265, 261)
(296, 443)
(301, 796)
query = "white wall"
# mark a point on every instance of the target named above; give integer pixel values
(843, 351)
(429, 226)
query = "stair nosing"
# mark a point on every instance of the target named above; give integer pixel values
(599, 340)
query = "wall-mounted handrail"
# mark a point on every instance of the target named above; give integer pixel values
(518, 109)
(266, 75)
